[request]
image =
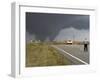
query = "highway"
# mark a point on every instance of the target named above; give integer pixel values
(75, 53)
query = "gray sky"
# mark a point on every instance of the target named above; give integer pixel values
(42, 26)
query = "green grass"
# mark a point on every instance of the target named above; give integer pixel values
(42, 54)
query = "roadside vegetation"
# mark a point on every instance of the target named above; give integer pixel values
(42, 54)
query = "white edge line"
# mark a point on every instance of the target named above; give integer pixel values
(70, 54)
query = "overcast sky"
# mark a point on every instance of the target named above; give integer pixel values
(43, 26)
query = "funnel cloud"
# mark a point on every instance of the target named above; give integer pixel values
(42, 26)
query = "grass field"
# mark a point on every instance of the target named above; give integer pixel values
(42, 54)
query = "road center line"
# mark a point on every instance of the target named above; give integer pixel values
(70, 54)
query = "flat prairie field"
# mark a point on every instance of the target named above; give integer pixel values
(42, 54)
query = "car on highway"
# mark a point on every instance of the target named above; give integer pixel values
(69, 42)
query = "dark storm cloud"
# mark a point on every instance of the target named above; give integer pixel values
(44, 25)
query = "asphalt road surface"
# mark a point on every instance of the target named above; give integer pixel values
(75, 53)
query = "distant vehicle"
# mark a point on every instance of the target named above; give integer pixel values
(69, 42)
